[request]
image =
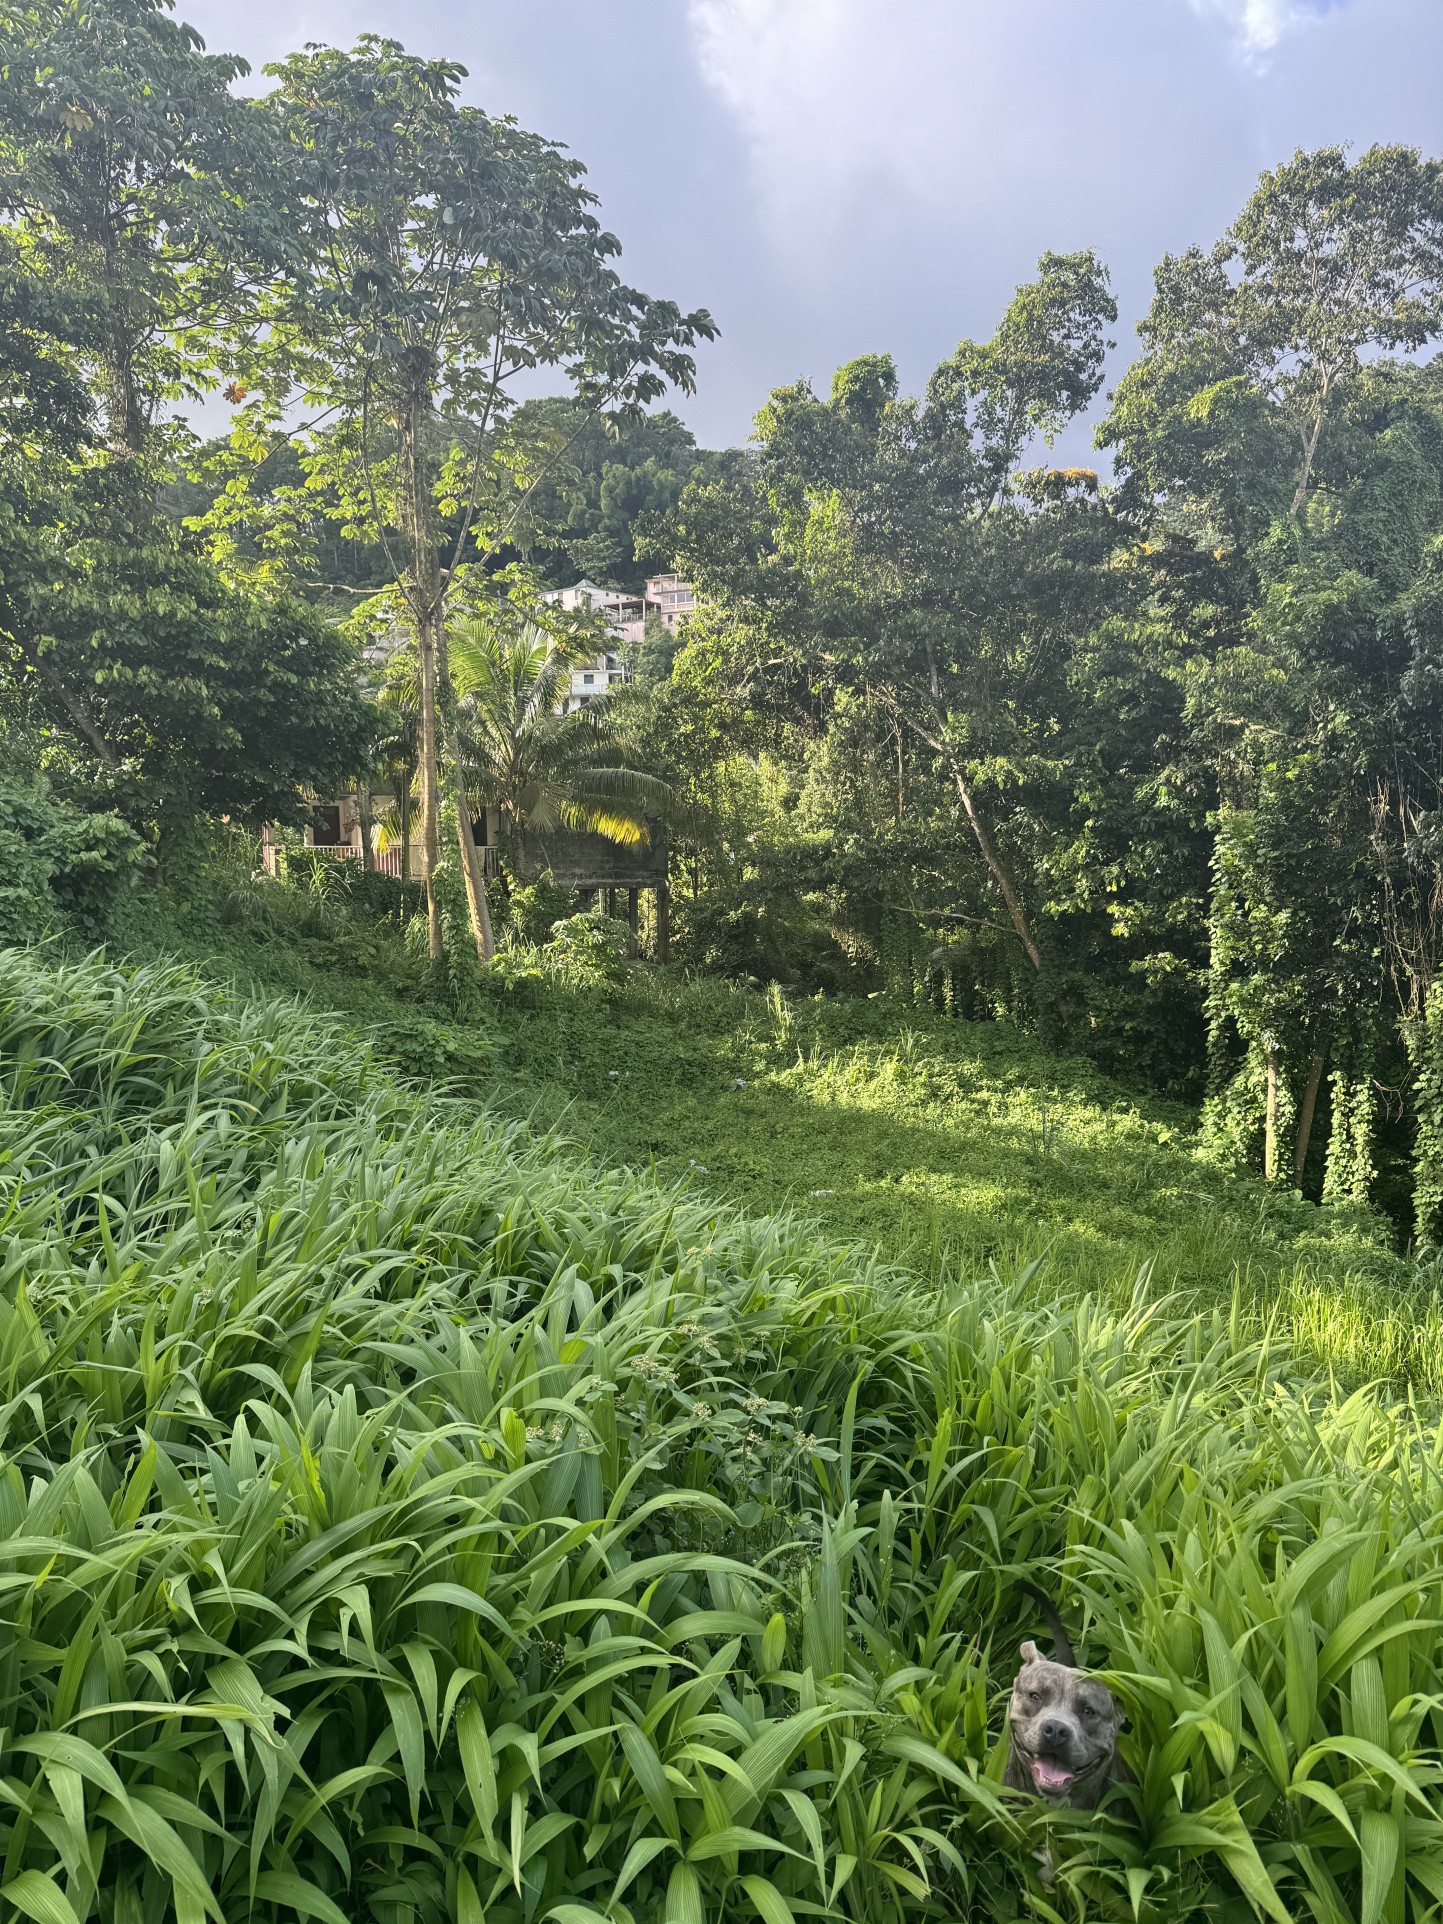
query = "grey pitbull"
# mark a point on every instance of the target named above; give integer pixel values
(1064, 1727)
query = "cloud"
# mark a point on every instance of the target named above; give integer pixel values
(1258, 26)
(868, 117)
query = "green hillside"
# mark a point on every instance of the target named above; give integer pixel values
(948, 1146)
(403, 1520)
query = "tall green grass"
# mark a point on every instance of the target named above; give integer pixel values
(404, 1523)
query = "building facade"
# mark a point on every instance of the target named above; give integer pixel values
(666, 597)
(670, 597)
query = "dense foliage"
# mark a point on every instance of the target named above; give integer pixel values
(1157, 763)
(948, 1143)
(402, 1518)
(451, 1538)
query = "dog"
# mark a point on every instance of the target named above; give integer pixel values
(1063, 1727)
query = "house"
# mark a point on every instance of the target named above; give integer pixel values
(670, 597)
(334, 830)
(665, 596)
(588, 865)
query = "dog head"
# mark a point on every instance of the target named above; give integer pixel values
(1064, 1728)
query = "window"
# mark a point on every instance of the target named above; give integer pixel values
(587, 680)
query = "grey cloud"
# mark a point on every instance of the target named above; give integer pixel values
(836, 176)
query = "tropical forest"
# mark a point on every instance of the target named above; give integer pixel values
(658, 1100)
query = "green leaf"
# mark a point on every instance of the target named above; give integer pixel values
(285, 1887)
(36, 1896)
(772, 1907)
(683, 1897)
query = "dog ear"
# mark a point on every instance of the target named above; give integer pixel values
(1030, 1653)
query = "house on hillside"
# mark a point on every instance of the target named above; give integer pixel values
(666, 597)
(588, 865)
(669, 597)
(591, 867)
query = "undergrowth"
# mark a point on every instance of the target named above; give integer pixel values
(400, 1523)
(952, 1146)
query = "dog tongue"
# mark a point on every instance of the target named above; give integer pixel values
(1049, 1776)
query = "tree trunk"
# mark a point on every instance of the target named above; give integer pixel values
(366, 818)
(997, 868)
(72, 707)
(124, 422)
(418, 514)
(663, 922)
(472, 865)
(1305, 1116)
(430, 784)
(475, 873)
(1270, 1123)
(1310, 447)
(403, 810)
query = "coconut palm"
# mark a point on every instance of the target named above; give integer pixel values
(542, 768)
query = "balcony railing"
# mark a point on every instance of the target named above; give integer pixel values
(388, 864)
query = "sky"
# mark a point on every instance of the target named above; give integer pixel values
(838, 177)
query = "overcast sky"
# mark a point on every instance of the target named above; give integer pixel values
(833, 177)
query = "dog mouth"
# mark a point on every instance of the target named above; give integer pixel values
(1051, 1778)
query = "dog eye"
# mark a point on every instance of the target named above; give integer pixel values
(1034, 1696)
(1088, 1711)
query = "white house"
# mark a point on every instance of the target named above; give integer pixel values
(665, 595)
(623, 614)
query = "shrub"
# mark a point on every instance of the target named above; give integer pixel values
(587, 951)
(383, 898)
(60, 867)
(534, 908)
(765, 937)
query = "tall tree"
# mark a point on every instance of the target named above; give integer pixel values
(1286, 477)
(1250, 348)
(134, 172)
(886, 545)
(444, 252)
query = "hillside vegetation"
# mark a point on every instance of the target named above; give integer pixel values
(949, 1145)
(403, 1522)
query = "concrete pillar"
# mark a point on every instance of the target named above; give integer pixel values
(633, 918)
(663, 922)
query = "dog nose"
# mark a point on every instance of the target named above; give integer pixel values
(1054, 1732)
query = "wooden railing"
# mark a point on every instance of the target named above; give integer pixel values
(387, 864)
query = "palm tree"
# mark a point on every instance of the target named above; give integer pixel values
(543, 769)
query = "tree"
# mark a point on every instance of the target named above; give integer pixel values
(611, 482)
(443, 252)
(135, 173)
(542, 768)
(884, 545)
(1252, 346)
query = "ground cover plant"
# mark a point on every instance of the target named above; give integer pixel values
(947, 1143)
(404, 1522)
